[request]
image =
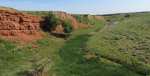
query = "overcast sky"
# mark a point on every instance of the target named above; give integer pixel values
(80, 6)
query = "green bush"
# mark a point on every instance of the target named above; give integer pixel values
(67, 26)
(50, 22)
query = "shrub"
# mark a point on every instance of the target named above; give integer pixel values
(50, 22)
(67, 26)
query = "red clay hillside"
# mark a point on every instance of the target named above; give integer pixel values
(15, 25)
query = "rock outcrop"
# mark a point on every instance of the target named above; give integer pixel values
(20, 26)
(66, 16)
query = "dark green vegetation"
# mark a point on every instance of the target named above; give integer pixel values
(67, 26)
(119, 46)
(51, 21)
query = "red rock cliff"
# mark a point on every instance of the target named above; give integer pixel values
(17, 25)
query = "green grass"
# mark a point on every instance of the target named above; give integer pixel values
(122, 49)
(72, 61)
(16, 59)
(126, 42)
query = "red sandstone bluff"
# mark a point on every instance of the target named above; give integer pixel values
(15, 25)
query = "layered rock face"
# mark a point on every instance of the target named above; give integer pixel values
(14, 24)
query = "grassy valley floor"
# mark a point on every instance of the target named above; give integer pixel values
(121, 48)
(76, 60)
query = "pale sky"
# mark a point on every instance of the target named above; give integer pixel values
(80, 6)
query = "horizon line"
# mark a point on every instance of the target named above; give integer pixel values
(80, 13)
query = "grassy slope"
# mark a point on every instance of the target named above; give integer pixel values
(75, 59)
(127, 42)
(73, 62)
(69, 59)
(16, 59)
(90, 20)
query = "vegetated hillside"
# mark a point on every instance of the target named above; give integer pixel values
(66, 23)
(38, 48)
(116, 45)
(16, 25)
(33, 58)
(30, 59)
(94, 20)
(70, 18)
(69, 21)
(126, 41)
